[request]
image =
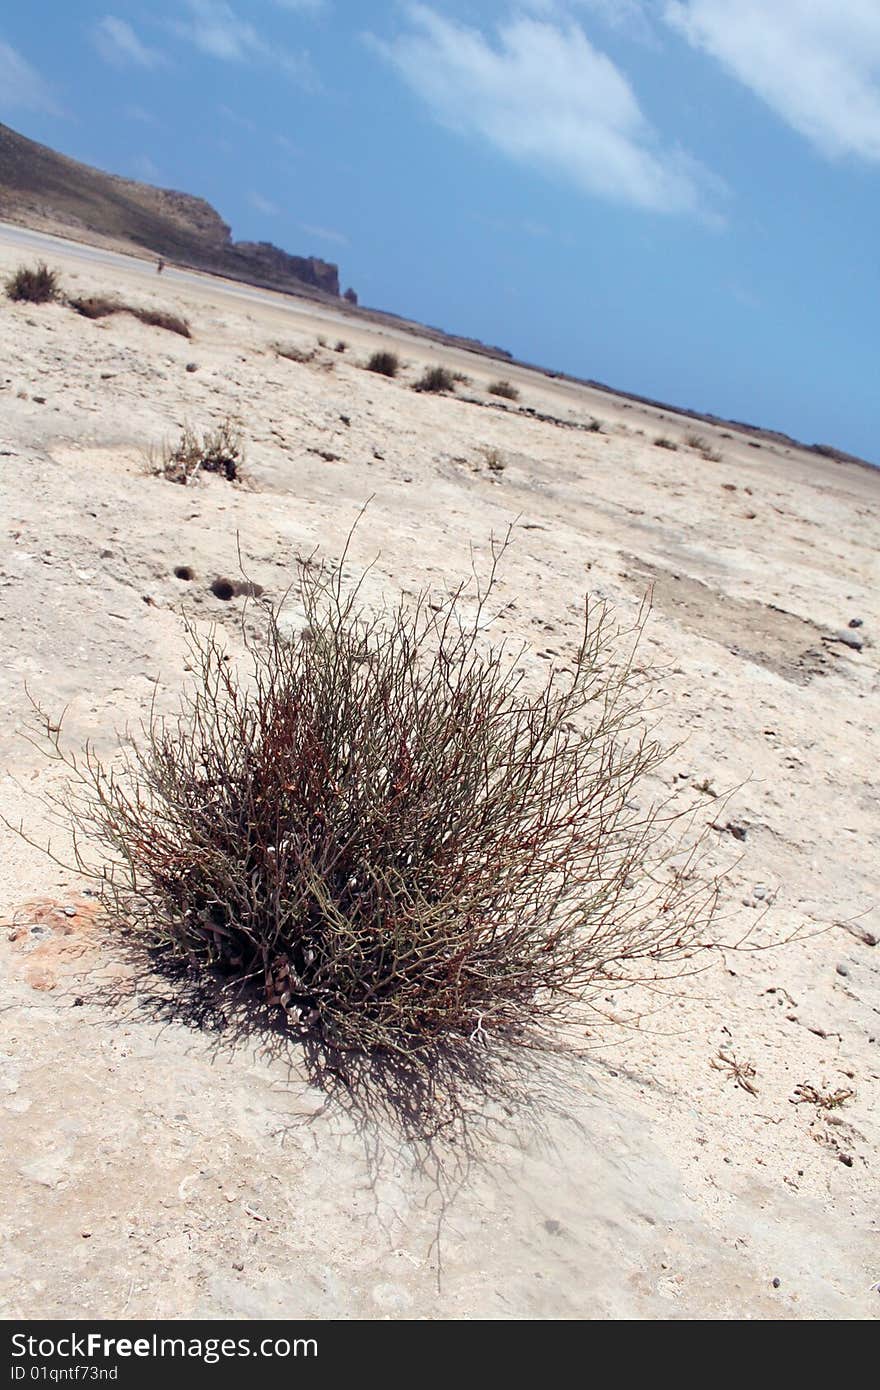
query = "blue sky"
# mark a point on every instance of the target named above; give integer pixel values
(676, 197)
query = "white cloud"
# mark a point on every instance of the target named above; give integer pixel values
(302, 6)
(324, 234)
(21, 86)
(145, 169)
(264, 205)
(118, 44)
(815, 62)
(545, 96)
(215, 29)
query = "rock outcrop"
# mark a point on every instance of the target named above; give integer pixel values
(43, 189)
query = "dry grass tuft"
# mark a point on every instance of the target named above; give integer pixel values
(384, 363)
(100, 307)
(435, 379)
(383, 833)
(294, 354)
(219, 450)
(505, 389)
(33, 285)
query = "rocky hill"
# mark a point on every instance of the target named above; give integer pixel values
(41, 188)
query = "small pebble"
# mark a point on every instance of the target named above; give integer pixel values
(776, 1283)
(842, 969)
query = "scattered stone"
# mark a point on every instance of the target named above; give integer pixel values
(776, 1283)
(846, 639)
(192, 366)
(842, 969)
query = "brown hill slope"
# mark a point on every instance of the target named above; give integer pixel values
(41, 188)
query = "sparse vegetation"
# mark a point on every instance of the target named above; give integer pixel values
(341, 346)
(33, 285)
(294, 354)
(435, 379)
(99, 307)
(506, 389)
(382, 833)
(595, 426)
(661, 442)
(703, 447)
(385, 363)
(218, 450)
(494, 460)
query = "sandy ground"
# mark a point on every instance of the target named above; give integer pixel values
(154, 1167)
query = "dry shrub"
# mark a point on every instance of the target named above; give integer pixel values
(384, 833)
(384, 363)
(435, 379)
(505, 389)
(219, 450)
(160, 318)
(294, 354)
(661, 442)
(37, 285)
(99, 307)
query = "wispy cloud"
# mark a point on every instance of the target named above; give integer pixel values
(629, 16)
(118, 44)
(21, 86)
(815, 62)
(324, 234)
(145, 169)
(545, 96)
(264, 205)
(216, 30)
(303, 6)
(140, 113)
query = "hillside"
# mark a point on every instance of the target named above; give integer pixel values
(43, 189)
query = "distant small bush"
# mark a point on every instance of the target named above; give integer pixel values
(37, 285)
(505, 389)
(341, 346)
(696, 441)
(99, 307)
(595, 427)
(159, 318)
(435, 379)
(461, 378)
(294, 354)
(494, 460)
(662, 442)
(385, 363)
(218, 451)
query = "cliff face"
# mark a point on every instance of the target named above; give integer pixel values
(44, 189)
(274, 264)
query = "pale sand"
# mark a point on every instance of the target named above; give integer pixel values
(641, 1182)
